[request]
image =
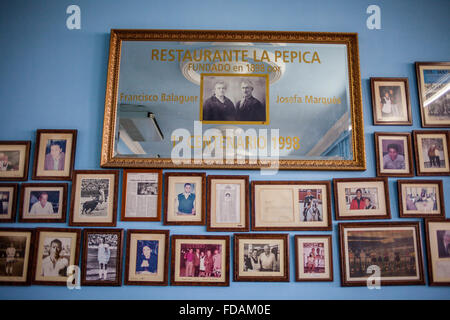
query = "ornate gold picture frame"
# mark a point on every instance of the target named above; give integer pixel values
(156, 95)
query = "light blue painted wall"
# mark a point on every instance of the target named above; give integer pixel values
(55, 78)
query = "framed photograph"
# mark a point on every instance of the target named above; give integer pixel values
(392, 248)
(141, 195)
(8, 201)
(43, 202)
(291, 205)
(14, 160)
(234, 98)
(432, 152)
(55, 251)
(228, 203)
(147, 260)
(101, 264)
(55, 154)
(394, 154)
(261, 257)
(314, 258)
(94, 198)
(437, 233)
(390, 101)
(16, 247)
(200, 260)
(361, 198)
(432, 83)
(184, 198)
(231, 77)
(421, 199)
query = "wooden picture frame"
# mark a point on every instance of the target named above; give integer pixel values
(14, 160)
(431, 91)
(343, 47)
(39, 201)
(146, 183)
(9, 193)
(437, 253)
(19, 257)
(395, 90)
(97, 246)
(215, 273)
(175, 183)
(411, 199)
(54, 156)
(257, 243)
(312, 269)
(99, 188)
(235, 188)
(405, 265)
(346, 192)
(288, 196)
(423, 150)
(148, 274)
(398, 145)
(55, 274)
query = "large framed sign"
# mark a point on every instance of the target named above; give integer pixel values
(233, 99)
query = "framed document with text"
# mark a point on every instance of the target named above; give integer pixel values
(233, 99)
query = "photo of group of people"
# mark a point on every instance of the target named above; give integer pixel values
(393, 251)
(392, 106)
(261, 257)
(433, 151)
(233, 99)
(200, 260)
(422, 199)
(313, 257)
(310, 204)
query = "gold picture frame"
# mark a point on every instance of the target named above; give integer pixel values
(350, 123)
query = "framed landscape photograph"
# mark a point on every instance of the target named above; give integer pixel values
(390, 101)
(291, 205)
(101, 264)
(8, 201)
(421, 199)
(314, 258)
(55, 251)
(141, 195)
(361, 198)
(228, 203)
(437, 233)
(94, 198)
(432, 82)
(14, 160)
(392, 248)
(43, 202)
(394, 154)
(147, 260)
(261, 257)
(16, 245)
(200, 260)
(184, 198)
(432, 152)
(55, 154)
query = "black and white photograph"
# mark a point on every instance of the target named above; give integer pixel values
(443, 240)
(102, 257)
(94, 198)
(8, 201)
(236, 99)
(56, 250)
(15, 248)
(262, 257)
(228, 203)
(43, 202)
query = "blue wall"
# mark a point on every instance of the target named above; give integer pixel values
(52, 77)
